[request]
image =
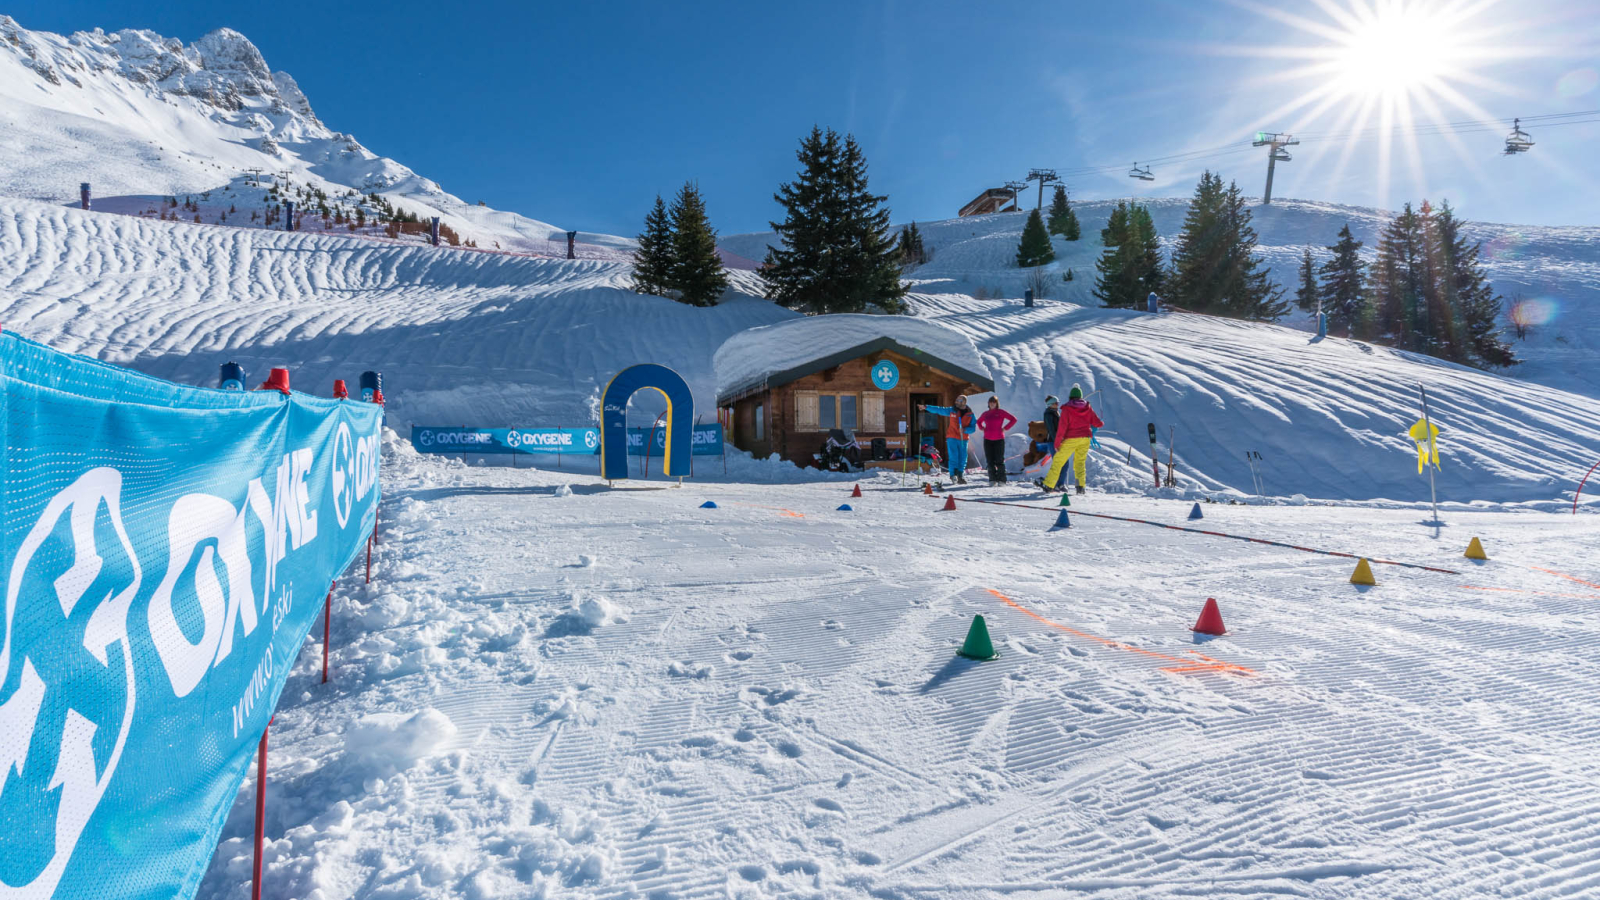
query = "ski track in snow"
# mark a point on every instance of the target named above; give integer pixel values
(745, 722)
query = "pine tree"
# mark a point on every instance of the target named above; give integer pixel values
(1308, 297)
(1034, 249)
(1343, 294)
(1147, 249)
(1129, 267)
(696, 274)
(912, 252)
(1474, 298)
(1215, 265)
(837, 253)
(1396, 288)
(1199, 256)
(1063, 220)
(652, 262)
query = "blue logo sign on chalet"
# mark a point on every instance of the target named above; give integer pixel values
(885, 374)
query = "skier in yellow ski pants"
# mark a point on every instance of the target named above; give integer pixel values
(1078, 450)
(1073, 438)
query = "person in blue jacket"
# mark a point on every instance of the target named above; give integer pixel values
(963, 422)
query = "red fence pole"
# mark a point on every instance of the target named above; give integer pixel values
(1580, 487)
(261, 811)
(370, 538)
(327, 629)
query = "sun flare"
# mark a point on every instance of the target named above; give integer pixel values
(1395, 49)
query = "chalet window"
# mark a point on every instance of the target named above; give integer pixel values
(805, 410)
(761, 414)
(837, 411)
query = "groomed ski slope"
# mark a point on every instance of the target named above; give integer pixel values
(555, 690)
(468, 338)
(1556, 267)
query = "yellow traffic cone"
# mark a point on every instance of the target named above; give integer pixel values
(1475, 550)
(1363, 573)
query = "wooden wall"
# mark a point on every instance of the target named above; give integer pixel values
(797, 441)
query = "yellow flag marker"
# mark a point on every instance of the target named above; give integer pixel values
(1363, 573)
(1475, 550)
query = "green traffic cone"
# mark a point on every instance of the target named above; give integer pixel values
(1065, 500)
(978, 645)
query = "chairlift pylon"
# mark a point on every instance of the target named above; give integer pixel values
(1141, 174)
(1518, 141)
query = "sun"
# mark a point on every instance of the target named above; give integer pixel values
(1394, 49)
(1360, 83)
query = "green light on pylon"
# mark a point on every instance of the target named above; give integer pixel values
(978, 645)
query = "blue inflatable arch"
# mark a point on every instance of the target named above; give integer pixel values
(614, 419)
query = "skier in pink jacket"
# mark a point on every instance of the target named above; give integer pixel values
(994, 423)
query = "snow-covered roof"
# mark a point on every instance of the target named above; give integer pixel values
(774, 355)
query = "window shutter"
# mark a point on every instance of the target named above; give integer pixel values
(872, 412)
(805, 411)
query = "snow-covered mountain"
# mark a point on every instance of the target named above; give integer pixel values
(143, 118)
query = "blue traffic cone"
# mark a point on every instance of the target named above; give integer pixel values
(1195, 513)
(845, 507)
(708, 505)
(1062, 521)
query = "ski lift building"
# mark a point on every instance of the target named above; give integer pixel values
(782, 388)
(992, 200)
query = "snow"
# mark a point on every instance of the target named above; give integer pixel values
(748, 358)
(782, 712)
(556, 689)
(1556, 265)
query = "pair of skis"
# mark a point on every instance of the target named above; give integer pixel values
(1155, 457)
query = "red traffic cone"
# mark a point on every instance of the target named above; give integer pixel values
(856, 492)
(949, 504)
(1210, 619)
(277, 380)
(927, 488)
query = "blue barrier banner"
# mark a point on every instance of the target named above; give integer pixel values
(165, 551)
(706, 440)
(488, 441)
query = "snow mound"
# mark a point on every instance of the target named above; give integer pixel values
(748, 358)
(385, 743)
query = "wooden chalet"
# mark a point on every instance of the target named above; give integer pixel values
(791, 412)
(992, 200)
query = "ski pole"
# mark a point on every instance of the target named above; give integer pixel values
(1171, 439)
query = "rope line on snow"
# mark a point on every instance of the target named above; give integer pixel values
(1184, 666)
(1236, 537)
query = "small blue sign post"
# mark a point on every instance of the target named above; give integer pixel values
(885, 374)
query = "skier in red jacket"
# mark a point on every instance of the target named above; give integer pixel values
(1078, 421)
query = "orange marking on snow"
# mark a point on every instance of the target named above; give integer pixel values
(1566, 576)
(1183, 666)
(1471, 587)
(787, 512)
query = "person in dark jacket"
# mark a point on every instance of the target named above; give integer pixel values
(1052, 422)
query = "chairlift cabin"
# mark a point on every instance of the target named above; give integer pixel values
(1518, 141)
(1141, 174)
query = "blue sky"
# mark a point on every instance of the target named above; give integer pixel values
(579, 113)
